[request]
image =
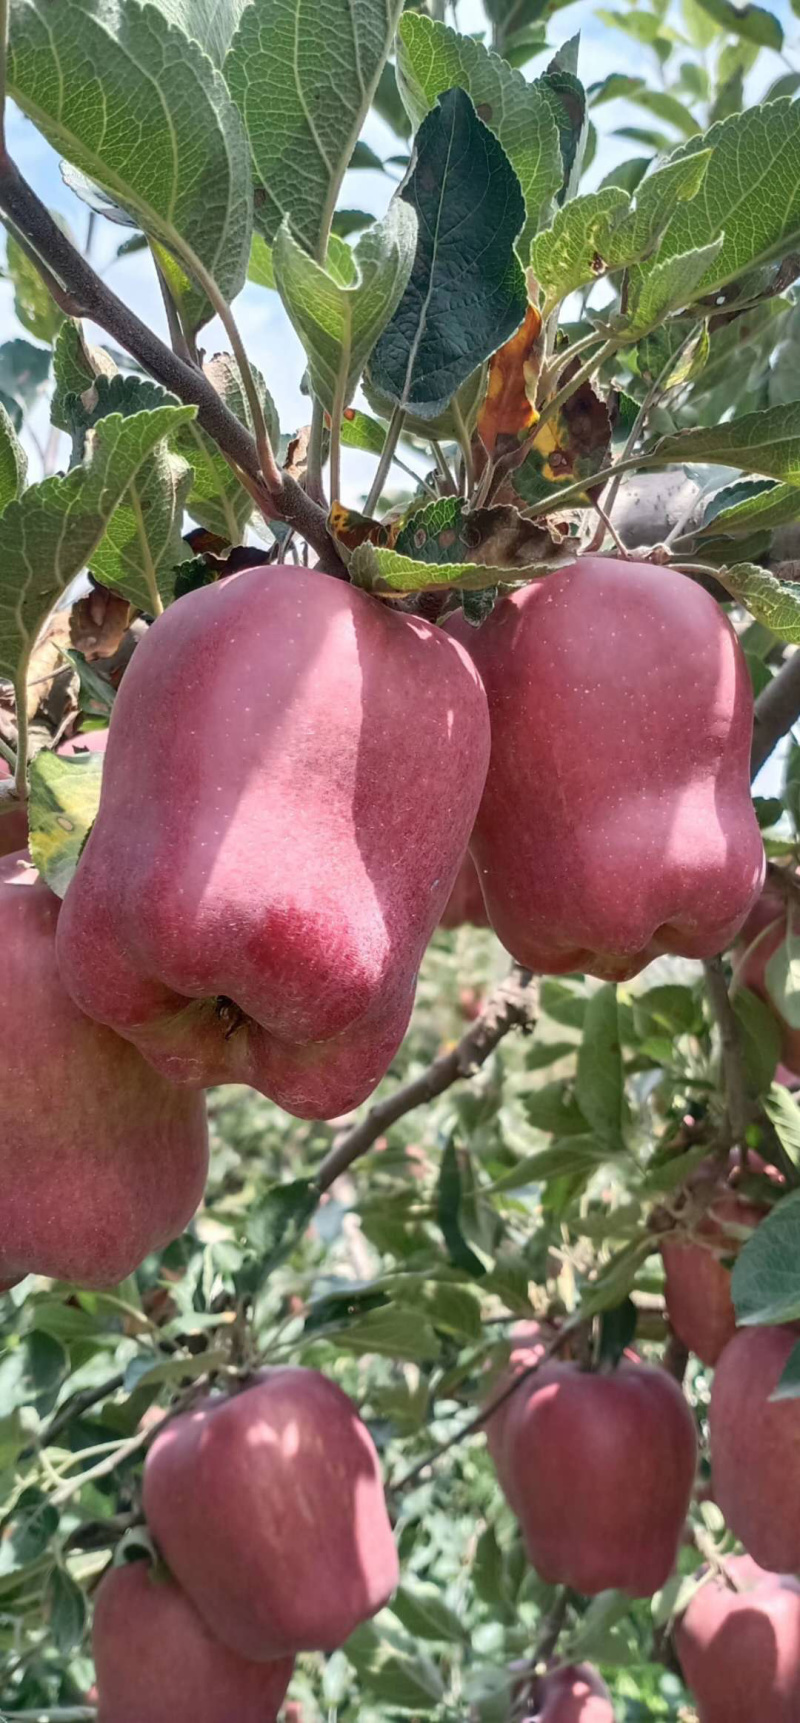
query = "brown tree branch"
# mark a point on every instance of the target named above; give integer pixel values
(86, 292)
(777, 709)
(512, 1005)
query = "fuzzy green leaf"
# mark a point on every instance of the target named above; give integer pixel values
(666, 287)
(13, 462)
(770, 600)
(216, 499)
(303, 74)
(767, 442)
(35, 308)
(63, 802)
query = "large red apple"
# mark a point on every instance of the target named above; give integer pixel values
(101, 1159)
(738, 1645)
(697, 1284)
(764, 931)
(616, 823)
(157, 1662)
(292, 773)
(574, 1694)
(601, 1467)
(269, 1510)
(465, 903)
(755, 1443)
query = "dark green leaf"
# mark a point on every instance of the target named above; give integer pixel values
(276, 1225)
(761, 1039)
(600, 1085)
(466, 295)
(24, 370)
(424, 1614)
(789, 1385)
(65, 1608)
(752, 22)
(448, 1214)
(554, 1108)
(617, 1331)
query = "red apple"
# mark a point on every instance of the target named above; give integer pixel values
(574, 1694)
(101, 1160)
(528, 1344)
(739, 1646)
(601, 1467)
(616, 823)
(697, 1284)
(465, 903)
(292, 774)
(157, 1662)
(755, 1444)
(764, 931)
(269, 1510)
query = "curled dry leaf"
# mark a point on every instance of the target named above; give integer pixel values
(98, 622)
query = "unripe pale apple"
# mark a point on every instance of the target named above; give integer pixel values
(157, 1662)
(697, 1283)
(575, 1694)
(101, 1161)
(738, 1646)
(764, 931)
(528, 1344)
(465, 903)
(616, 823)
(601, 1467)
(755, 1443)
(269, 1510)
(292, 774)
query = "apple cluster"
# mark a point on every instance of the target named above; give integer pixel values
(268, 1512)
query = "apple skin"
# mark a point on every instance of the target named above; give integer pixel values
(769, 913)
(575, 1694)
(528, 1344)
(739, 1650)
(697, 1283)
(292, 774)
(754, 1446)
(14, 825)
(616, 823)
(101, 1161)
(156, 1660)
(269, 1510)
(465, 905)
(601, 1469)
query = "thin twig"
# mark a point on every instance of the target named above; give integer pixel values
(777, 709)
(655, 389)
(73, 1486)
(465, 446)
(511, 1005)
(93, 298)
(736, 1104)
(387, 456)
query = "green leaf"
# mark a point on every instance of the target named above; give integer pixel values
(783, 1112)
(51, 532)
(553, 1107)
(752, 22)
(76, 368)
(401, 1682)
(392, 1332)
(665, 287)
(303, 74)
(770, 600)
(766, 1274)
(376, 569)
(767, 442)
(570, 1156)
(340, 324)
(13, 462)
(600, 1083)
(212, 23)
(65, 1610)
(789, 1384)
(63, 801)
(216, 499)
(666, 107)
(160, 133)
(260, 268)
(760, 1037)
(677, 182)
(782, 978)
(432, 58)
(448, 1214)
(359, 431)
(751, 195)
(423, 1613)
(35, 308)
(466, 295)
(278, 1222)
(24, 370)
(769, 506)
(575, 249)
(142, 544)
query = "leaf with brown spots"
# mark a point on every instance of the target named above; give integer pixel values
(573, 443)
(351, 529)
